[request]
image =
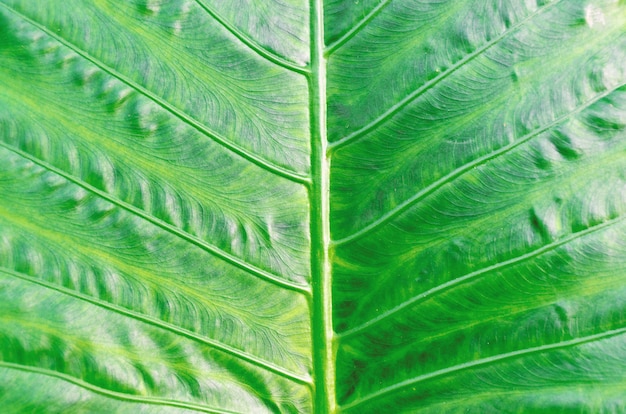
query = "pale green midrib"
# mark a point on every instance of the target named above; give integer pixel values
(113, 394)
(202, 244)
(184, 117)
(429, 294)
(391, 112)
(480, 363)
(299, 379)
(253, 45)
(333, 47)
(453, 175)
(323, 351)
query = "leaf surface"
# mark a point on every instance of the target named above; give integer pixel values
(307, 206)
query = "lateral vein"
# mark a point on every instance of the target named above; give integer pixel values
(114, 394)
(164, 325)
(186, 118)
(405, 205)
(333, 47)
(480, 362)
(429, 294)
(202, 244)
(391, 112)
(253, 45)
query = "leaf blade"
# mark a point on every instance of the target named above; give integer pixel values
(312, 206)
(505, 137)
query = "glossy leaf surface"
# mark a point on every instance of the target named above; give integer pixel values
(304, 206)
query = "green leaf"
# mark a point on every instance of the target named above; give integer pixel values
(298, 206)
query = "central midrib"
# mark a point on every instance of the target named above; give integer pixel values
(321, 321)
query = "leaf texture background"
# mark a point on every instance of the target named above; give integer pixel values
(306, 206)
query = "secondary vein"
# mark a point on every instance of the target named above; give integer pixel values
(164, 325)
(186, 118)
(480, 362)
(429, 294)
(391, 112)
(253, 45)
(113, 394)
(405, 205)
(333, 47)
(227, 257)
